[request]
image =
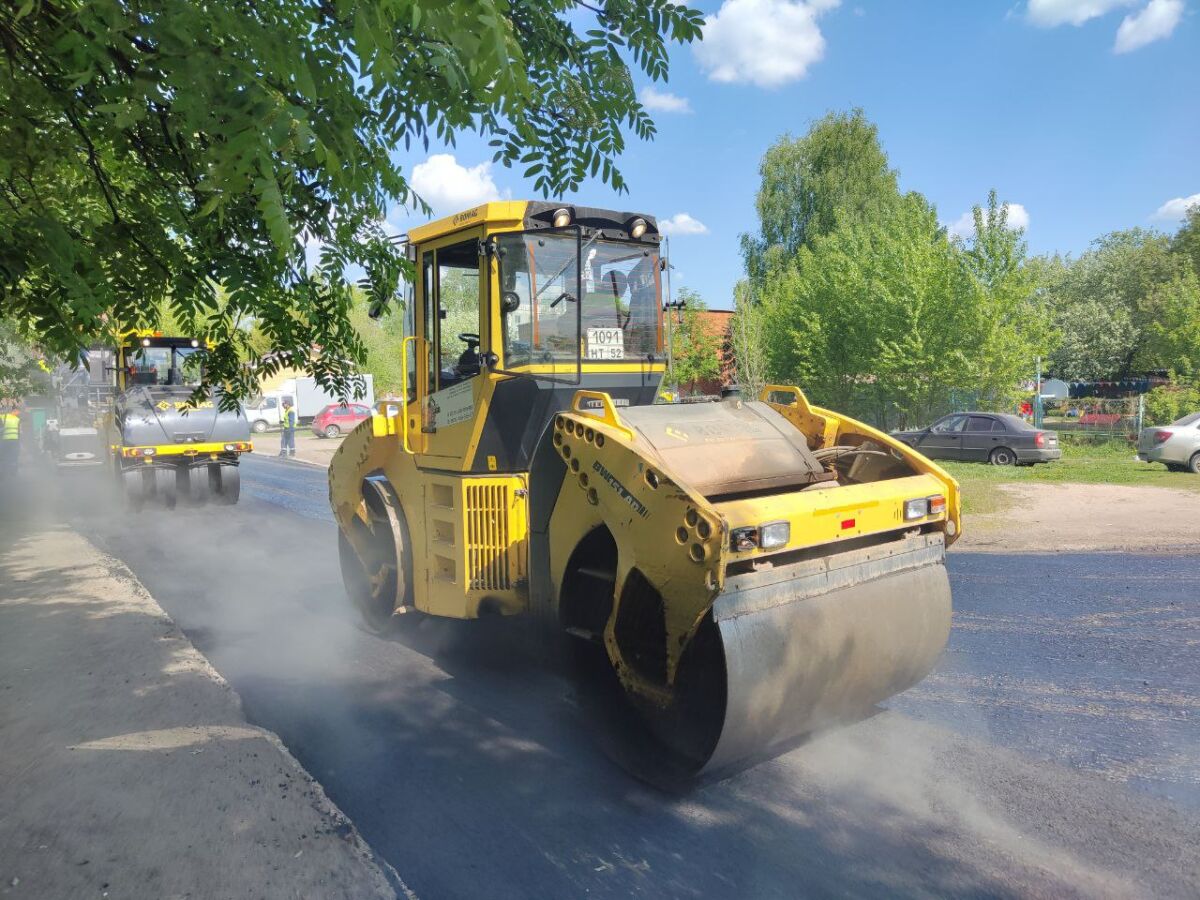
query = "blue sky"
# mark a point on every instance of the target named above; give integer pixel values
(1086, 113)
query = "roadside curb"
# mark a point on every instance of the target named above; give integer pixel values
(124, 747)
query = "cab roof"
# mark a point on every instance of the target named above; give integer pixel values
(529, 215)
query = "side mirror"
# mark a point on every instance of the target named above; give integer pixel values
(510, 302)
(376, 309)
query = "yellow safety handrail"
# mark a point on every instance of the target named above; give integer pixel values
(404, 390)
(606, 413)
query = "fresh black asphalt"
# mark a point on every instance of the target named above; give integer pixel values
(1054, 752)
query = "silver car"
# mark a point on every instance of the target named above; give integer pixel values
(1176, 445)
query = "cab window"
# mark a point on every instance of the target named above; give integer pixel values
(558, 303)
(457, 291)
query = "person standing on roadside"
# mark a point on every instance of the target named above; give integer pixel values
(10, 440)
(287, 425)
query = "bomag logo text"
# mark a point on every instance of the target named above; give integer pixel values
(634, 503)
(181, 405)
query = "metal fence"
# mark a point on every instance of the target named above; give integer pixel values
(1096, 419)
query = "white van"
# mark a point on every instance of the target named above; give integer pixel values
(262, 413)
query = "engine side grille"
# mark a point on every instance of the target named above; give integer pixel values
(487, 537)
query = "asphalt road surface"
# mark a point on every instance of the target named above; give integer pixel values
(1054, 752)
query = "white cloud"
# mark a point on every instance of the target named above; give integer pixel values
(1051, 13)
(682, 223)
(964, 226)
(763, 42)
(1176, 209)
(1153, 23)
(663, 101)
(449, 187)
(1018, 215)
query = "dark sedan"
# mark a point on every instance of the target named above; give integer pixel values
(1000, 439)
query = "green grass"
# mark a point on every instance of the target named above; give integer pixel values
(981, 482)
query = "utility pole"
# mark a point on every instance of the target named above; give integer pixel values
(1037, 400)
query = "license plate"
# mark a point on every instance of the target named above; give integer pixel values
(605, 343)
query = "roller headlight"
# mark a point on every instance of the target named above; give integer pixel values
(920, 507)
(773, 535)
(916, 509)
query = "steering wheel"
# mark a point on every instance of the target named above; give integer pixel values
(469, 339)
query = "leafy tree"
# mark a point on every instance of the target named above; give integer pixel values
(1171, 338)
(164, 150)
(749, 340)
(866, 319)
(888, 320)
(837, 172)
(381, 339)
(695, 349)
(1011, 317)
(20, 372)
(1186, 241)
(1165, 405)
(1105, 301)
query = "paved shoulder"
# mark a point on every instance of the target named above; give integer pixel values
(126, 763)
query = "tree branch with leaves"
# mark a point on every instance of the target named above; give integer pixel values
(167, 151)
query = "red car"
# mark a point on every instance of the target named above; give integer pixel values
(336, 419)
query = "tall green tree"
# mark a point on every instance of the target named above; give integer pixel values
(161, 150)
(870, 318)
(1186, 241)
(695, 348)
(381, 337)
(879, 314)
(1171, 338)
(835, 173)
(1010, 314)
(749, 341)
(1106, 301)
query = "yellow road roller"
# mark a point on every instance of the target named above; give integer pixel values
(739, 573)
(158, 437)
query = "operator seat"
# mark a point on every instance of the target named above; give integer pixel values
(469, 362)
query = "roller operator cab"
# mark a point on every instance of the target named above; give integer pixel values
(163, 445)
(733, 575)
